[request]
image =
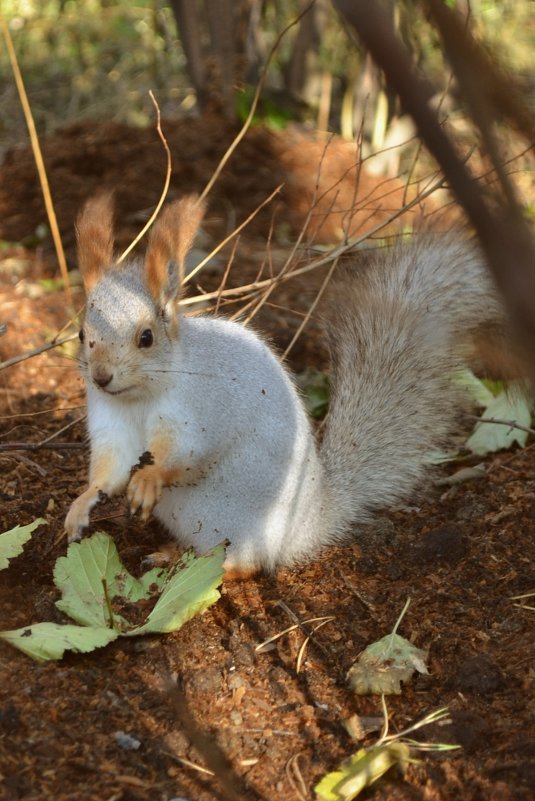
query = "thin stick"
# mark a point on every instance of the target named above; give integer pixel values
(225, 276)
(18, 415)
(311, 308)
(30, 463)
(229, 238)
(38, 446)
(38, 156)
(304, 229)
(239, 293)
(36, 351)
(246, 125)
(322, 260)
(510, 423)
(61, 431)
(165, 189)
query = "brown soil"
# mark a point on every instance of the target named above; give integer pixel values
(461, 554)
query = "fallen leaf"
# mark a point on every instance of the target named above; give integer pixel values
(12, 542)
(490, 437)
(384, 665)
(361, 770)
(44, 641)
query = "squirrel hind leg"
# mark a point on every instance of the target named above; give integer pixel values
(170, 552)
(235, 573)
(165, 556)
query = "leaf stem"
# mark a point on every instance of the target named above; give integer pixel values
(111, 619)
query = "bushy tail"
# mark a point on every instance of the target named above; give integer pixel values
(395, 327)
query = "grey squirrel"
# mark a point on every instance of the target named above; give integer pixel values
(222, 441)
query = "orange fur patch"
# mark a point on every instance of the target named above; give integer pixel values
(102, 467)
(239, 574)
(171, 238)
(94, 234)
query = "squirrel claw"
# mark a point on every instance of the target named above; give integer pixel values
(144, 490)
(77, 519)
(75, 536)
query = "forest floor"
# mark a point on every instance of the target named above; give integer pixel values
(462, 553)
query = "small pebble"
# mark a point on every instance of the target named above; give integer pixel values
(126, 741)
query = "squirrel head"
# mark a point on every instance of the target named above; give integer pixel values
(131, 321)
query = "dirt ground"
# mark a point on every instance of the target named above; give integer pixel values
(461, 553)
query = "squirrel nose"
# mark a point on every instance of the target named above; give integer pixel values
(102, 378)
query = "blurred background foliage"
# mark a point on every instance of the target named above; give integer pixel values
(98, 59)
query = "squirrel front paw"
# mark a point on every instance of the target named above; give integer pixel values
(145, 490)
(78, 516)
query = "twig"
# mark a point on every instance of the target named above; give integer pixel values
(505, 235)
(225, 276)
(36, 351)
(18, 415)
(38, 446)
(38, 156)
(45, 443)
(66, 427)
(189, 764)
(165, 189)
(30, 463)
(246, 125)
(279, 634)
(311, 308)
(304, 228)
(254, 289)
(510, 423)
(320, 261)
(229, 238)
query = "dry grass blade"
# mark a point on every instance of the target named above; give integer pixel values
(38, 156)
(521, 598)
(301, 654)
(165, 189)
(295, 777)
(261, 646)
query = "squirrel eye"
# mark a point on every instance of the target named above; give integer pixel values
(81, 335)
(146, 339)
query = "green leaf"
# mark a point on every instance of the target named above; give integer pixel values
(186, 593)
(91, 576)
(361, 770)
(12, 542)
(477, 389)
(89, 567)
(44, 641)
(507, 406)
(382, 666)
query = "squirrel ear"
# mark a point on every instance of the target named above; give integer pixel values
(170, 242)
(94, 235)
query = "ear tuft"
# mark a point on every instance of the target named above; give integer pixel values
(94, 235)
(170, 241)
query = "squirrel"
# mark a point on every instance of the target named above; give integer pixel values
(220, 436)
